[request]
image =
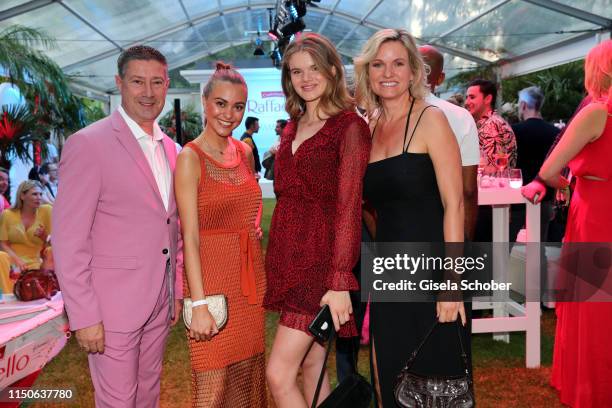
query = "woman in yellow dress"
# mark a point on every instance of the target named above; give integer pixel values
(24, 230)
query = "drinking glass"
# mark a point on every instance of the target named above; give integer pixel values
(501, 160)
(516, 178)
(481, 165)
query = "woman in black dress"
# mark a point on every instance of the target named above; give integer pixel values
(414, 183)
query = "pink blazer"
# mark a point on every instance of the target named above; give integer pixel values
(111, 232)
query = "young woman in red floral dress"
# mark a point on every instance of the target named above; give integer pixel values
(316, 227)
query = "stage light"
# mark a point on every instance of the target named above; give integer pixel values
(293, 27)
(286, 24)
(273, 35)
(276, 58)
(299, 6)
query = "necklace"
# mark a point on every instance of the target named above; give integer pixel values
(215, 150)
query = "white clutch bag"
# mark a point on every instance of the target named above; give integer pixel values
(217, 306)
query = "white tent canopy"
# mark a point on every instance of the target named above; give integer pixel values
(518, 35)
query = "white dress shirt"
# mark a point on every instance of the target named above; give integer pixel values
(463, 126)
(153, 149)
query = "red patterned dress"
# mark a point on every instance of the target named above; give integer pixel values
(315, 233)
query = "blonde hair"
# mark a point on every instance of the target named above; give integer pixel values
(223, 72)
(366, 98)
(598, 70)
(336, 97)
(23, 188)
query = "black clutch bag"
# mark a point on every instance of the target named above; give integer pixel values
(417, 391)
(354, 391)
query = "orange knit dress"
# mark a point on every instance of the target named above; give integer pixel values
(228, 370)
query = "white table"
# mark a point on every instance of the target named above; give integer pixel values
(509, 316)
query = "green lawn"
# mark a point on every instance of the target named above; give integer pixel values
(266, 218)
(499, 374)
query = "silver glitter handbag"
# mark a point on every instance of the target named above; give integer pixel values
(217, 306)
(417, 391)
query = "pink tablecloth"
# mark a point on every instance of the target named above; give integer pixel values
(31, 334)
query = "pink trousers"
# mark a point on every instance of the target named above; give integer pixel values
(128, 373)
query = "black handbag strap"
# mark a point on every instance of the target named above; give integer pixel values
(320, 382)
(414, 354)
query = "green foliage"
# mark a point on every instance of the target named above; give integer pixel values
(266, 219)
(18, 129)
(191, 124)
(40, 79)
(463, 78)
(61, 116)
(28, 67)
(93, 110)
(563, 88)
(177, 81)
(231, 54)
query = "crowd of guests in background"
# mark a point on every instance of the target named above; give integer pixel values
(25, 226)
(413, 161)
(265, 162)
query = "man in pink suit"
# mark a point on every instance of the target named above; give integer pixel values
(116, 237)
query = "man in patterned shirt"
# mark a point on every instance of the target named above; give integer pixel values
(494, 133)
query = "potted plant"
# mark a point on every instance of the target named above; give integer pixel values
(191, 124)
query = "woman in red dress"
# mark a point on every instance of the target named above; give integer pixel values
(582, 361)
(316, 226)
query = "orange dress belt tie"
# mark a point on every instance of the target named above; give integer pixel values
(247, 270)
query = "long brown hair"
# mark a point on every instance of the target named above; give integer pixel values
(336, 97)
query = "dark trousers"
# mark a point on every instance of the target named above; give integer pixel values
(483, 231)
(347, 348)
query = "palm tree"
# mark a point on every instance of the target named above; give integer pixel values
(28, 67)
(39, 77)
(18, 129)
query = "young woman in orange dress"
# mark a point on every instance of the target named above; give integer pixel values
(219, 203)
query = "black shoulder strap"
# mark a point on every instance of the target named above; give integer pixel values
(320, 382)
(404, 150)
(376, 125)
(415, 127)
(418, 349)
